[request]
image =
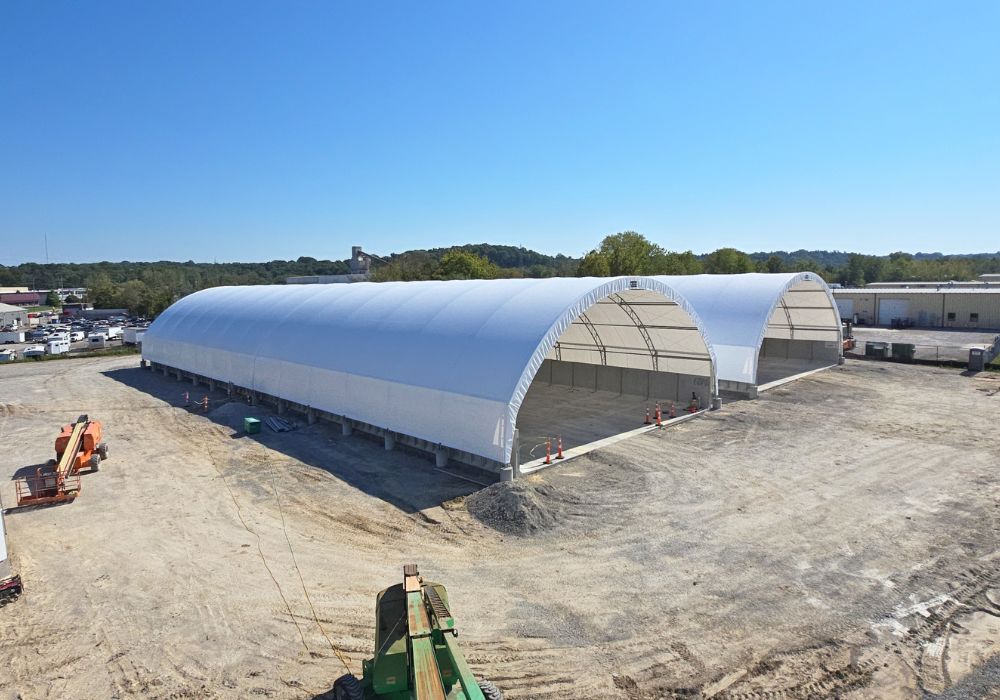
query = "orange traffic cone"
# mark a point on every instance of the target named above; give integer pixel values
(204, 404)
(659, 414)
(548, 451)
(647, 421)
(673, 410)
(559, 454)
(187, 398)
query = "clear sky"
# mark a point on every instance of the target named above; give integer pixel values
(252, 131)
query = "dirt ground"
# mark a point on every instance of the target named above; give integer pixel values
(835, 538)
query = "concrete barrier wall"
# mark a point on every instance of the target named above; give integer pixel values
(819, 351)
(657, 386)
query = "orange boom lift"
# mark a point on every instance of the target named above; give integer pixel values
(78, 447)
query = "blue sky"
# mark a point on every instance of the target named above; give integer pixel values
(253, 131)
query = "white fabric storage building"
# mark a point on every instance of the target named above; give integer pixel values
(764, 327)
(446, 363)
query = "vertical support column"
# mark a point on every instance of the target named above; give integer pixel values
(229, 389)
(166, 372)
(441, 456)
(515, 456)
(194, 380)
(211, 385)
(389, 440)
(310, 415)
(345, 426)
(281, 407)
(252, 395)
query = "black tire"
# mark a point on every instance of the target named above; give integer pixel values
(490, 690)
(95, 462)
(348, 687)
(102, 450)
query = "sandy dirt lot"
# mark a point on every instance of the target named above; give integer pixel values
(836, 538)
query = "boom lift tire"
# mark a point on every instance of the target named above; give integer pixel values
(348, 687)
(102, 450)
(490, 691)
(95, 462)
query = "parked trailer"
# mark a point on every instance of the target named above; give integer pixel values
(8, 355)
(114, 332)
(133, 336)
(98, 340)
(34, 351)
(11, 336)
(57, 346)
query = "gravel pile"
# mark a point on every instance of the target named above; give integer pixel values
(513, 507)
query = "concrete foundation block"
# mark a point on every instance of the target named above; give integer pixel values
(310, 416)
(716, 403)
(194, 380)
(211, 385)
(441, 457)
(507, 474)
(142, 363)
(389, 441)
(281, 407)
(166, 372)
(229, 388)
(345, 427)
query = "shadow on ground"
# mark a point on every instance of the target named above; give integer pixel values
(404, 477)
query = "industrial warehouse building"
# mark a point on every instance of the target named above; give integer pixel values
(12, 315)
(447, 366)
(945, 307)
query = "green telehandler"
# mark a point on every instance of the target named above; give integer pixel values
(416, 653)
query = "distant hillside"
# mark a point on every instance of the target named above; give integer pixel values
(149, 287)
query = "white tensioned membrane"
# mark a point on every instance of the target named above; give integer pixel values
(739, 311)
(447, 362)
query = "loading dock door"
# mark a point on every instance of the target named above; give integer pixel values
(889, 309)
(846, 309)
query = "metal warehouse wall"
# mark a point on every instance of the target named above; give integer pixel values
(931, 310)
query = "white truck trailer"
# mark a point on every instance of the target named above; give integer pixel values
(133, 336)
(57, 346)
(11, 336)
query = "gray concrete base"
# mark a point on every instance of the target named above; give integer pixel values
(441, 457)
(345, 427)
(389, 441)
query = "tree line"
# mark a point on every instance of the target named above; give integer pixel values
(147, 288)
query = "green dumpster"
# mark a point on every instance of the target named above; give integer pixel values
(251, 426)
(903, 352)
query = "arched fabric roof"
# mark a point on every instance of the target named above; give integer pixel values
(740, 311)
(448, 362)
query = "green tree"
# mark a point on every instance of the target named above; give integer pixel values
(52, 299)
(728, 261)
(101, 291)
(460, 265)
(625, 253)
(594, 264)
(72, 299)
(774, 264)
